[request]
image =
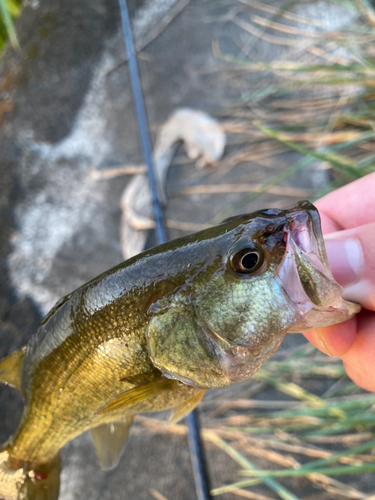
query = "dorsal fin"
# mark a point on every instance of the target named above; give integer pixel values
(185, 407)
(10, 369)
(109, 440)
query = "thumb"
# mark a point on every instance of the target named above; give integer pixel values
(351, 255)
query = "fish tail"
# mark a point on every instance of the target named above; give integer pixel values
(18, 482)
(10, 368)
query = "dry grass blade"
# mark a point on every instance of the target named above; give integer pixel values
(368, 10)
(261, 35)
(315, 452)
(281, 13)
(110, 173)
(186, 226)
(347, 439)
(244, 188)
(337, 488)
(250, 495)
(157, 495)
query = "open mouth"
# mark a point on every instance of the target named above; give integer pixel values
(305, 274)
(306, 234)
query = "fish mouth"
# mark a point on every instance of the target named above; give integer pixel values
(306, 233)
(305, 275)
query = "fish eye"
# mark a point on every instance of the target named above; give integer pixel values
(247, 261)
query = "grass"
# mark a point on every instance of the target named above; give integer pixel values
(9, 10)
(319, 101)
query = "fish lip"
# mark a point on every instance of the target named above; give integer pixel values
(304, 227)
(303, 238)
(304, 243)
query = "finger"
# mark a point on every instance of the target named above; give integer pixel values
(328, 225)
(352, 205)
(359, 360)
(351, 255)
(334, 340)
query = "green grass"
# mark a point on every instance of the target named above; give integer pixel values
(339, 134)
(9, 10)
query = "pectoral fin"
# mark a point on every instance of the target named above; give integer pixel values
(10, 369)
(185, 408)
(109, 440)
(137, 395)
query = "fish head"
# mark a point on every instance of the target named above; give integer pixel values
(264, 274)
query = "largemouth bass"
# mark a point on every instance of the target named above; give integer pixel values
(158, 330)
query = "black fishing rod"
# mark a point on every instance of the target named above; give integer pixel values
(195, 443)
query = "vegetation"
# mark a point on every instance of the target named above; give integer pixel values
(9, 10)
(320, 102)
(299, 437)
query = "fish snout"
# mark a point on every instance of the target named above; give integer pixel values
(305, 274)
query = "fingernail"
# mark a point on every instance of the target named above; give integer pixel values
(345, 258)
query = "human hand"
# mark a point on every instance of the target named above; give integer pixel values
(348, 223)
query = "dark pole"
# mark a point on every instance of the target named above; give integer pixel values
(195, 443)
(161, 235)
(197, 457)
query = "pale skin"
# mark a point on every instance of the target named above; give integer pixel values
(348, 215)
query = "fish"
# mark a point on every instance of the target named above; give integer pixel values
(160, 329)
